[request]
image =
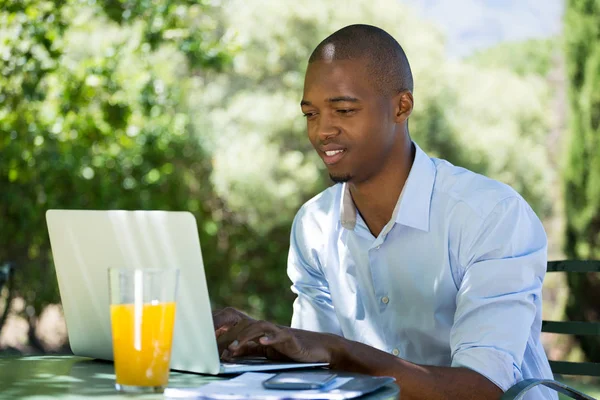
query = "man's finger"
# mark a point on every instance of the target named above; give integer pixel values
(254, 332)
(251, 349)
(287, 343)
(225, 318)
(225, 355)
(220, 331)
(283, 342)
(228, 335)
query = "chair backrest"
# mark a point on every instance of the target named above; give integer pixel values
(573, 327)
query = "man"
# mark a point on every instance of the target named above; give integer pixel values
(409, 266)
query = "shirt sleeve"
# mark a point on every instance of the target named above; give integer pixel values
(499, 296)
(313, 308)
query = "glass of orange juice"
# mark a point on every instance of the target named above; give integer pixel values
(142, 313)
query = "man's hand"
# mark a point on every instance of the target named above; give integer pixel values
(227, 318)
(228, 323)
(240, 335)
(280, 343)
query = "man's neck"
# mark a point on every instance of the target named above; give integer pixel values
(376, 198)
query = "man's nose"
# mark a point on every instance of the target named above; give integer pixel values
(327, 128)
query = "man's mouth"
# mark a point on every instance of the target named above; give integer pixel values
(333, 156)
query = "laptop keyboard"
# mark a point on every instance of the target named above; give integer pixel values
(251, 361)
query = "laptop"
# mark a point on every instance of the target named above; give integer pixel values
(86, 243)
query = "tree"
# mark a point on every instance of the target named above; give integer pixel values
(582, 172)
(528, 57)
(94, 116)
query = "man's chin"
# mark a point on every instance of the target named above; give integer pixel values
(340, 178)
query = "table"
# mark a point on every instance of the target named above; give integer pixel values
(72, 377)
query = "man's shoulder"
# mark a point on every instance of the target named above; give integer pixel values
(477, 192)
(321, 207)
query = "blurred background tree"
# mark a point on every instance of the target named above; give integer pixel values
(94, 116)
(582, 172)
(187, 105)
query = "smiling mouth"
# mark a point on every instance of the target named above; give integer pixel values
(333, 156)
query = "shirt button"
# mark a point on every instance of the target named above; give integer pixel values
(377, 248)
(396, 352)
(385, 299)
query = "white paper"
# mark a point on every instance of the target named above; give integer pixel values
(249, 386)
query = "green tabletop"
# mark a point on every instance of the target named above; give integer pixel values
(71, 377)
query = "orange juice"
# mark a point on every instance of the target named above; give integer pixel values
(142, 336)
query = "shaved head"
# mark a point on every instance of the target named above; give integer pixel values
(384, 57)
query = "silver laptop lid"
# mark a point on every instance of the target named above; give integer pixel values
(86, 243)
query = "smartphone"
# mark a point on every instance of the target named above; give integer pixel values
(299, 380)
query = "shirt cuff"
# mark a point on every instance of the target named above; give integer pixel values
(495, 365)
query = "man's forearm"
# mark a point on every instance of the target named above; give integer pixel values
(415, 381)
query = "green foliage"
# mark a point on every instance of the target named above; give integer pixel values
(582, 173)
(183, 23)
(529, 57)
(181, 105)
(90, 122)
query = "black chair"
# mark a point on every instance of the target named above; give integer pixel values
(564, 327)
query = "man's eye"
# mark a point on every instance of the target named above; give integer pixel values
(346, 111)
(309, 114)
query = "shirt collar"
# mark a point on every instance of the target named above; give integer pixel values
(414, 202)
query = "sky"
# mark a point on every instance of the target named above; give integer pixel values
(470, 25)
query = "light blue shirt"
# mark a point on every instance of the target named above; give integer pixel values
(454, 278)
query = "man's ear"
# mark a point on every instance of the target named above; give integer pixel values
(404, 106)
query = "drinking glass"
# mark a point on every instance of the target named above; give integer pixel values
(142, 311)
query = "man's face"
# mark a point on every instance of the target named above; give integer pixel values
(350, 122)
